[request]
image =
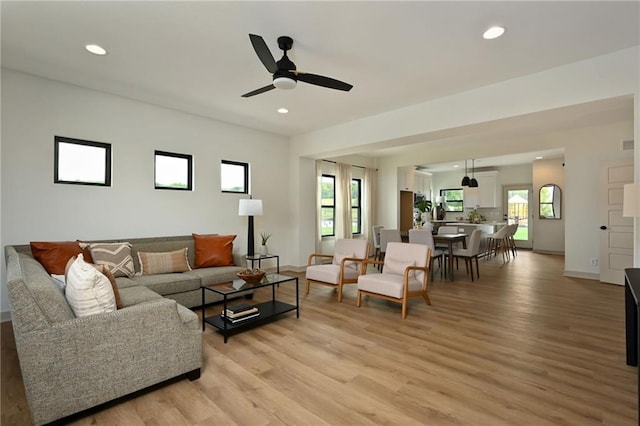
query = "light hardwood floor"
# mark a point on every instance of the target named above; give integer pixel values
(521, 346)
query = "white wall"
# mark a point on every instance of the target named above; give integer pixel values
(34, 208)
(548, 234)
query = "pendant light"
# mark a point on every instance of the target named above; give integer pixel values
(465, 179)
(473, 183)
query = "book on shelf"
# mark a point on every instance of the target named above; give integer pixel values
(242, 318)
(239, 308)
(240, 314)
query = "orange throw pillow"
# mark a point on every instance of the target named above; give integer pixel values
(213, 250)
(55, 255)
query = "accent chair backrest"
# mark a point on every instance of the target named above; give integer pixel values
(349, 247)
(401, 255)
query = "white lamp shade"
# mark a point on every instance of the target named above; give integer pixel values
(631, 200)
(284, 83)
(250, 207)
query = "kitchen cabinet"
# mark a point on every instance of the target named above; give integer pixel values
(485, 195)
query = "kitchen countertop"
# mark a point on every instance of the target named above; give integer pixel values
(477, 224)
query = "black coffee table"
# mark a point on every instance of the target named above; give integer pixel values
(268, 310)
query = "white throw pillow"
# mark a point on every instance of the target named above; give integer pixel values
(88, 291)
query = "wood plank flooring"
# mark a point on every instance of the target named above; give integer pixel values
(521, 346)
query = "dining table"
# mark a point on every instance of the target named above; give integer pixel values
(450, 240)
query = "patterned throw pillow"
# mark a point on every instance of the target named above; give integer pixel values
(88, 291)
(213, 250)
(115, 256)
(163, 263)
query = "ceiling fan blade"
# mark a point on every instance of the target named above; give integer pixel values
(263, 52)
(258, 91)
(320, 80)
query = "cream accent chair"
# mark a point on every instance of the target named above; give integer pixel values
(347, 264)
(405, 273)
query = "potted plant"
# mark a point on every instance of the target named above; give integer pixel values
(264, 237)
(423, 206)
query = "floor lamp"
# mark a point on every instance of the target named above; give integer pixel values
(250, 208)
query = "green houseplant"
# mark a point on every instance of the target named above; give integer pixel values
(423, 206)
(264, 237)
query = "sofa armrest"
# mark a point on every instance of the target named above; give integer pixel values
(79, 363)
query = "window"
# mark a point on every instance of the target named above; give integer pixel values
(329, 206)
(234, 177)
(328, 209)
(356, 209)
(81, 162)
(173, 171)
(452, 199)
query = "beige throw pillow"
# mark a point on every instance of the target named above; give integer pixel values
(88, 291)
(163, 263)
(115, 256)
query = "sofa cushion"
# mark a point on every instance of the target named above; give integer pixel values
(213, 250)
(54, 255)
(88, 291)
(168, 283)
(218, 274)
(137, 294)
(165, 262)
(116, 256)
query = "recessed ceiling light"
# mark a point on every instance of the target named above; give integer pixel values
(539, 158)
(95, 49)
(493, 32)
(283, 110)
(455, 165)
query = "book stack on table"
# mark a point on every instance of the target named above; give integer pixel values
(238, 313)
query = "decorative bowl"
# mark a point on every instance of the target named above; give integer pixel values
(251, 277)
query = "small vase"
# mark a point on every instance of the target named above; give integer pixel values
(264, 249)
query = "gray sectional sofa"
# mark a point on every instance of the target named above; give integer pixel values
(71, 364)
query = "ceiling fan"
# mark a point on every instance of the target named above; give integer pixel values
(285, 75)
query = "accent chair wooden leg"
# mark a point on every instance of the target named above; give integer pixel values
(404, 309)
(358, 299)
(307, 290)
(425, 296)
(339, 292)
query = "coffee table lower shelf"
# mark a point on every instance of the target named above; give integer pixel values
(268, 311)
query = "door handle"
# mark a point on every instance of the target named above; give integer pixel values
(603, 227)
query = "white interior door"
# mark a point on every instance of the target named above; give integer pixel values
(616, 231)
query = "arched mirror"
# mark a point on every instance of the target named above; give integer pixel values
(550, 201)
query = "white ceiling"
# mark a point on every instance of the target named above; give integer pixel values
(196, 56)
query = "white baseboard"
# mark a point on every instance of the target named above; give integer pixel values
(5, 316)
(583, 275)
(559, 253)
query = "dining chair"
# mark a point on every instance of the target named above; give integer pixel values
(388, 236)
(405, 274)
(375, 231)
(446, 230)
(470, 253)
(347, 264)
(424, 236)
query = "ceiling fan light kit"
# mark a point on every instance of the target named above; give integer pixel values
(284, 83)
(285, 74)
